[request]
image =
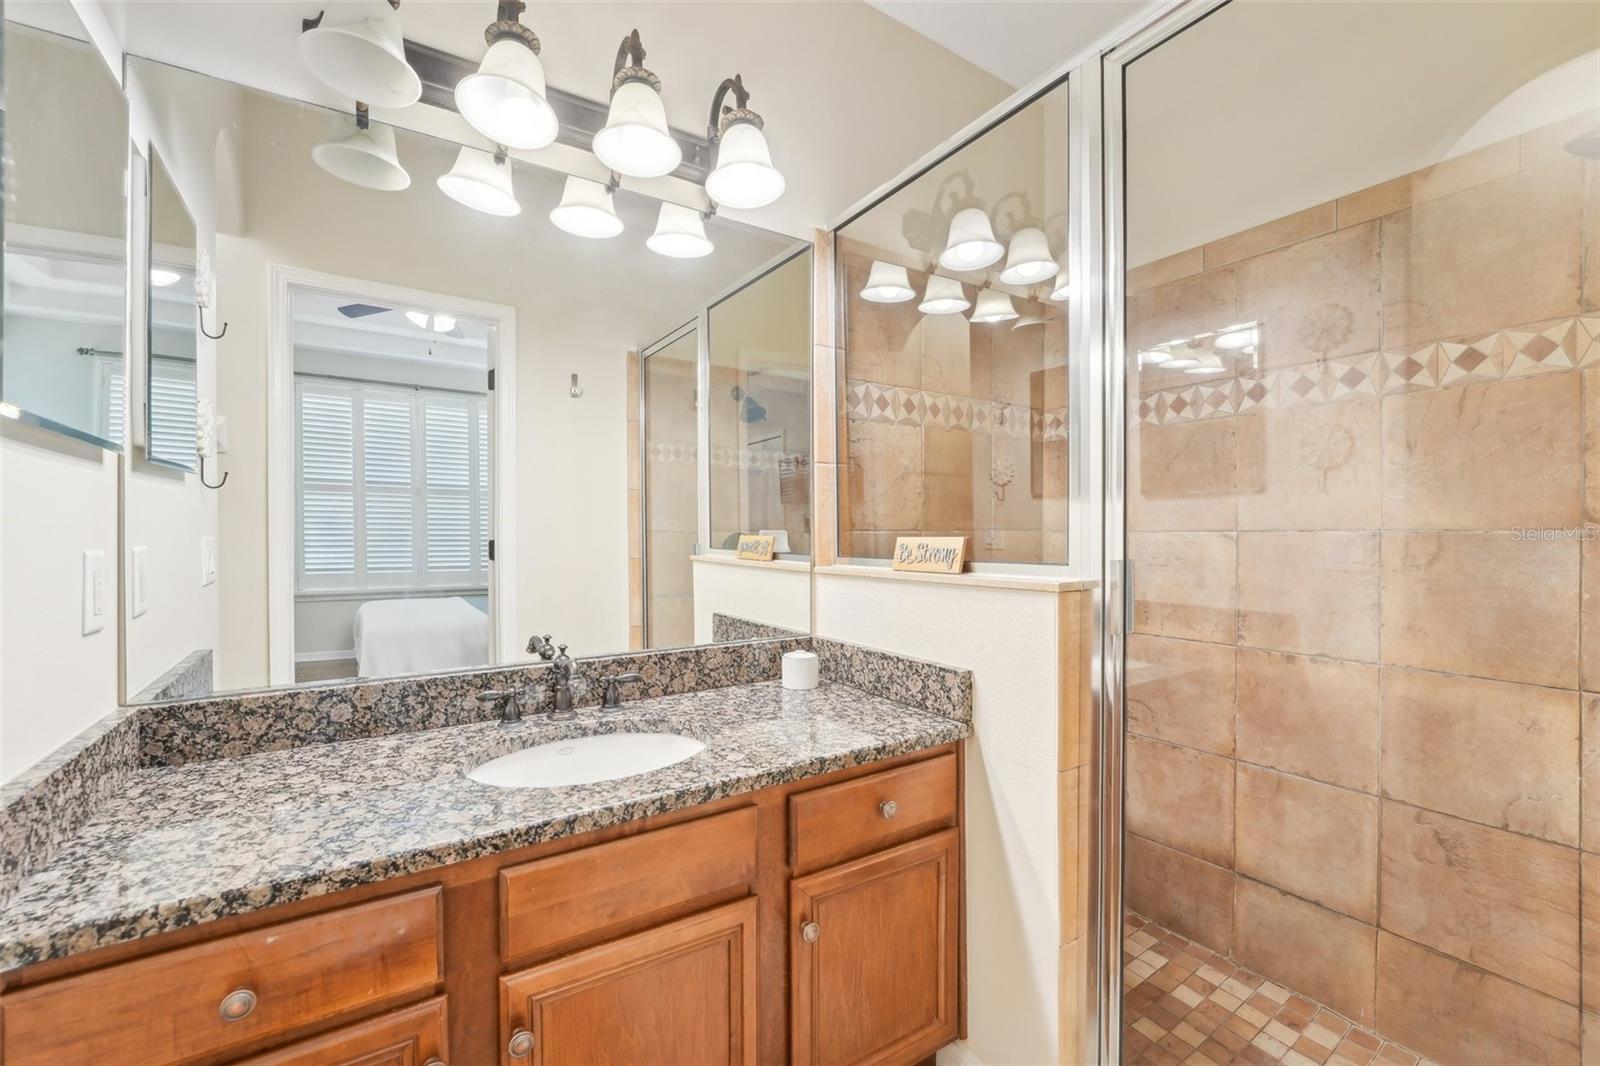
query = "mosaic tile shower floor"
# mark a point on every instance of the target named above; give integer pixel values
(1184, 1003)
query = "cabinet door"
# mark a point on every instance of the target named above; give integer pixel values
(684, 992)
(873, 951)
(411, 1036)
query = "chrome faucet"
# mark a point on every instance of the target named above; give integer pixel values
(542, 647)
(562, 669)
(509, 701)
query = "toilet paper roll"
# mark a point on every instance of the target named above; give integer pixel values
(800, 670)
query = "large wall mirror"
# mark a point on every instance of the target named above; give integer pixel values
(170, 310)
(433, 425)
(66, 130)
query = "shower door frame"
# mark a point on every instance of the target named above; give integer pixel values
(695, 325)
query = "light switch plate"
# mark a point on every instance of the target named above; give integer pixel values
(94, 591)
(141, 580)
(208, 560)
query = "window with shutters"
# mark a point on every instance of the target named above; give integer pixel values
(172, 406)
(393, 487)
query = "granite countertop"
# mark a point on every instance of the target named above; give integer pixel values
(183, 845)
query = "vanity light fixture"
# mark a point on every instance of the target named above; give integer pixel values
(1234, 340)
(161, 277)
(680, 233)
(1028, 261)
(439, 322)
(744, 176)
(360, 53)
(504, 99)
(586, 209)
(362, 155)
(1154, 357)
(971, 245)
(482, 182)
(1204, 369)
(1063, 288)
(943, 296)
(1181, 362)
(888, 283)
(635, 141)
(993, 306)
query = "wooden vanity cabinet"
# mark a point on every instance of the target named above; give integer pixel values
(816, 922)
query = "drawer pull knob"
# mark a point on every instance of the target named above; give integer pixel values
(237, 1005)
(888, 808)
(810, 931)
(434, 1062)
(521, 1044)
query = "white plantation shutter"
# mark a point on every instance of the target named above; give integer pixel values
(393, 487)
(172, 404)
(113, 399)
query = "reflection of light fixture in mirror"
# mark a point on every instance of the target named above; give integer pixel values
(1027, 320)
(993, 306)
(1154, 357)
(1205, 369)
(744, 176)
(361, 53)
(9, 410)
(943, 296)
(680, 233)
(504, 99)
(971, 245)
(1063, 290)
(1180, 362)
(362, 155)
(636, 141)
(1028, 260)
(888, 283)
(586, 209)
(161, 277)
(482, 182)
(1236, 339)
(439, 322)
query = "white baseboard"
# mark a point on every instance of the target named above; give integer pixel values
(957, 1054)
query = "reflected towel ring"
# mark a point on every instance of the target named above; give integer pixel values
(214, 336)
(203, 480)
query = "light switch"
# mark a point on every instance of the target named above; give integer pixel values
(208, 560)
(94, 591)
(141, 580)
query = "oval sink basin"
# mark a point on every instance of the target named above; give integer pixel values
(585, 760)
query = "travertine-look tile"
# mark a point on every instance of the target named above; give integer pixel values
(1184, 475)
(946, 350)
(1069, 815)
(1589, 626)
(1591, 933)
(1499, 900)
(1314, 951)
(1316, 717)
(885, 476)
(1181, 691)
(1314, 840)
(1160, 271)
(1591, 440)
(1181, 892)
(1590, 771)
(1320, 467)
(825, 409)
(1181, 798)
(1312, 222)
(1452, 175)
(1457, 1013)
(1494, 605)
(1493, 752)
(1202, 303)
(825, 523)
(1591, 1039)
(1315, 593)
(1184, 585)
(882, 342)
(1494, 455)
(1436, 283)
(1315, 299)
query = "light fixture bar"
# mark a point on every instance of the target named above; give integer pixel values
(580, 117)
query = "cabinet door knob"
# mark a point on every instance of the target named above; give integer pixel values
(888, 808)
(521, 1044)
(434, 1062)
(237, 1005)
(810, 931)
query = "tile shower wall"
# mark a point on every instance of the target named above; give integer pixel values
(952, 427)
(1364, 682)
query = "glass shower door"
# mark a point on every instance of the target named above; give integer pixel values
(669, 376)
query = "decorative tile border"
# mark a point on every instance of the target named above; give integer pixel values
(944, 690)
(1549, 347)
(868, 401)
(725, 456)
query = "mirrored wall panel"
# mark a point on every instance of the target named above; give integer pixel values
(953, 341)
(66, 170)
(425, 434)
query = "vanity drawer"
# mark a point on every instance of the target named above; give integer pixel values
(838, 821)
(172, 1007)
(615, 887)
(411, 1036)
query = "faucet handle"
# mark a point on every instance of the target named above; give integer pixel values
(612, 688)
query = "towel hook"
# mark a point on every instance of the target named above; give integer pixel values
(203, 480)
(214, 336)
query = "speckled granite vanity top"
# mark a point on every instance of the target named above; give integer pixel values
(181, 845)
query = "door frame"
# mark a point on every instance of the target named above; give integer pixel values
(281, 506)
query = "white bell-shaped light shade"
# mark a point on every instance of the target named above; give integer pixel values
(888, 283)
(1028, 260)
(586, 209)
(1063, 287)
(744, 176)
(680, 233)
(994, 306)
(943, 296)
(505, 99)
(364, 157)
(360, 53)
(635, 141)
(480, 182)
(971, 245)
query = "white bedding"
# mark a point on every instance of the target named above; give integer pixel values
(419, 636)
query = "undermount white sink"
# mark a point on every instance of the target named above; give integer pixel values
(586, 760)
